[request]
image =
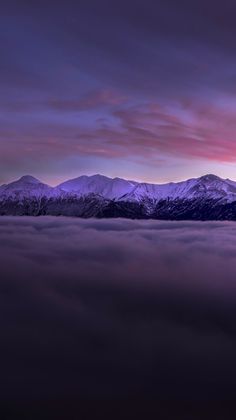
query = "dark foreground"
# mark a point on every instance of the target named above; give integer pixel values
(200, 209)
(117, 319)
(136, 407)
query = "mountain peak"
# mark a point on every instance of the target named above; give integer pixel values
(210, 177)
(29, 179)
(90, 195)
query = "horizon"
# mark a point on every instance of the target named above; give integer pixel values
(113, 178)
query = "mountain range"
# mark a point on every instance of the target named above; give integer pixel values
(206, 198)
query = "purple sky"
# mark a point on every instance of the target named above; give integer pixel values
(140, 90)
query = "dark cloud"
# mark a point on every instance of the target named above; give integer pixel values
(115, 309)
(139, 132)
(161, 48)
(68, 69)
(129, 43)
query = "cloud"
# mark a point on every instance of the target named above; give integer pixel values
(91, 100)
(159, 49)
(146, 132)
(113, 308)
(116, 67)
(191, 130)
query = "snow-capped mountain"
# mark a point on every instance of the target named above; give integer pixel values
(108, 188)
(25, 187)
(209, 186)
(207, 197)
(120, 189)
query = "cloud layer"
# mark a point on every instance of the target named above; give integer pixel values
(116, 86)
(115, 309)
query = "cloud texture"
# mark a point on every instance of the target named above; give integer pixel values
(90, 87)
(117, 309)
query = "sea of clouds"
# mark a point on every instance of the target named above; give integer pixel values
(121, 308)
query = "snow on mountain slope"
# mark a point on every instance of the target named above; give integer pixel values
(117, 189)
(215, 187)
(25, 187)
(208, 186)
(97, 184)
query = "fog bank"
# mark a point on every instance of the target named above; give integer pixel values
(117, 308)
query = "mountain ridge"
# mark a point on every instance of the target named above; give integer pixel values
(208, 197)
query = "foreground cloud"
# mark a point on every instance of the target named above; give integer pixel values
(117, 308)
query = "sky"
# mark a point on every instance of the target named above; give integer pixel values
(134, 89)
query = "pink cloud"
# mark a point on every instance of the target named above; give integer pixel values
(141, 132)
